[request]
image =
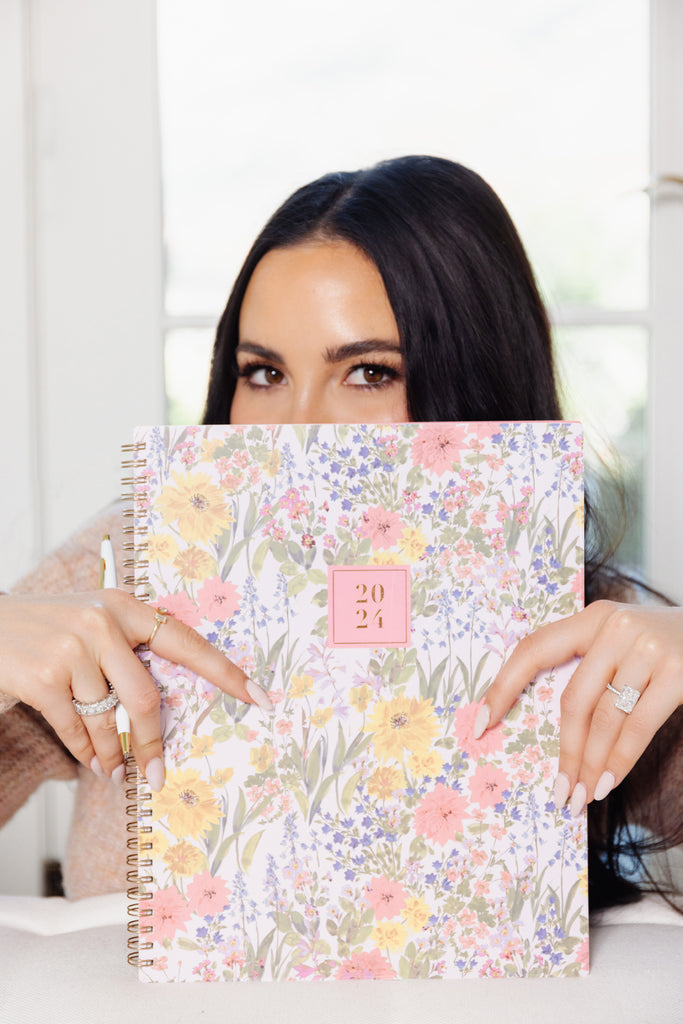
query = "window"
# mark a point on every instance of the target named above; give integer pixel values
(536, 97)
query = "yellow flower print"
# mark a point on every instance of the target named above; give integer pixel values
(184, 859)
(261, 758)
(579, 513)
(197, 505)
(416, 913)
(201, 746)
(360, 697)
(384, 782)
(272, 463)
(404, 722)
(222, 776)
(412, 543)
(162, 547)
(194, 564)
(300, 686)
(189, 803)
(389, 935)
(209, 449)
(321, 717)
(386, 558)
(159, 842)
(429, 764)
(583, 882)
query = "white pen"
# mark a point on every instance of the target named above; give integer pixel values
(108, 579)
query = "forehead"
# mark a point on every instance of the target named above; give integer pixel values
(316, 286)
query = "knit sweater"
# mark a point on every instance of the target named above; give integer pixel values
(30, 752)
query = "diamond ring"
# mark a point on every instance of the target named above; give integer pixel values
(626, 698)
(96, 707)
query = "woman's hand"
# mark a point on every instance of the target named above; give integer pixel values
(621, 646)
(55, 649)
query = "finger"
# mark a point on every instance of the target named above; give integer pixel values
(177, 642)
(546, 647)
(71, 731)
(88, 686)
(650, 713)
(609, 719)
(581, 703)
(140, 697)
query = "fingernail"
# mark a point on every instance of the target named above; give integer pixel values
(259, 696)
(578, 801)
(154, 773)
(605, 785)
(561, 790)
(96, 767)
(118, 776)
(481, 721)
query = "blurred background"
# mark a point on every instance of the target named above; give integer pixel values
(146, 144)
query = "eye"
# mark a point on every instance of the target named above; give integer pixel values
(260, 375)
(371, 375)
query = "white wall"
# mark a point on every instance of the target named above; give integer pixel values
(80, 260)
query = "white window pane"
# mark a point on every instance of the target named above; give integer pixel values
(547, 100)
(604, 378)
(187, 357)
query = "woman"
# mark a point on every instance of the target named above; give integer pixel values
(398, 292)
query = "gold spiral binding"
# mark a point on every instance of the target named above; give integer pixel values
(138, 860)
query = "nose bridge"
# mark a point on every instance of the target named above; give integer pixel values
(308, 400)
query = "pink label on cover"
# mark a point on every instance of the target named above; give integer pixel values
(369, 606)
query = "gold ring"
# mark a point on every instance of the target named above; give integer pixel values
(160, 617)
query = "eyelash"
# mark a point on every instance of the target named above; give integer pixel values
(249, 369)
(390, 374)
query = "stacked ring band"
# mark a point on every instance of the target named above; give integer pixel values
(96, 707)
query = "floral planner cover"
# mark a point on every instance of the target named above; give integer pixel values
(373, 579)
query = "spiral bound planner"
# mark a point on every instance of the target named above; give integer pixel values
(372, 579)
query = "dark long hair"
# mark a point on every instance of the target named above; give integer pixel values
(476, 343)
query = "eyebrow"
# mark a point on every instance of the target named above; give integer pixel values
(340, 354)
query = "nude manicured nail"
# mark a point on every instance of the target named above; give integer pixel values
(96, 767)
(604, 786)
(481, 721)
(561, 790)
(578, 801)
(258, 696)
(118, 776)
(154, 773)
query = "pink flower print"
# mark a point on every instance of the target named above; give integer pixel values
(582, 954)
(577, 584)
(491, 742)
(381, 526)
(170, 913)
(207, 895)
(182, 607)
(386, 898)
(440, 813)
(365, 965)
(294, 502)
(437, 446)
(487, 785)
(218, 600)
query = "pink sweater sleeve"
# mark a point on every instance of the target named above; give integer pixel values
(30, 752)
